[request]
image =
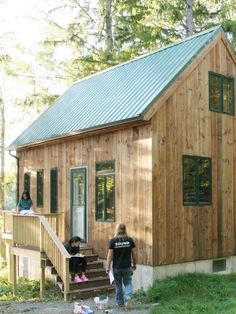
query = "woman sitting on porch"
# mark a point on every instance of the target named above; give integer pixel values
(77, 261)
(25, 204)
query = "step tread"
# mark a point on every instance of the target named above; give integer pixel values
(105, 287)
(94, 279)
(94, 270)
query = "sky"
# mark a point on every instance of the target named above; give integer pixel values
(19, 23)
(22, 21)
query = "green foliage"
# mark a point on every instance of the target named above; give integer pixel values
(28, 289)
(194, 293)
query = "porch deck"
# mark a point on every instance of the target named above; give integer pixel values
(36, 236)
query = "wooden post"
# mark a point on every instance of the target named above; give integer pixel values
(9, 258)
(66, 279)
(14, 275)
(42, 277)
(41, 237)
(57, 225)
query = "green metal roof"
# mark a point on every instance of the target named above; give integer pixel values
(116, 95)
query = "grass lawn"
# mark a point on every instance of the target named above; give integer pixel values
(194, 293)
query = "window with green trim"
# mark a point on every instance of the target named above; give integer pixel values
(39, 194)
(27, 182)
(221, 93)
(53, 191)
(105, 190)
(196, 180)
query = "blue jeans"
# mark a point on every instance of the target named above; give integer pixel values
(123, 276)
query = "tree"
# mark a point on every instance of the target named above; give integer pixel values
(2, 153)
(189, 17)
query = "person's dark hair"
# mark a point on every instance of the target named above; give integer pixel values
(26, 193)
(74, 239)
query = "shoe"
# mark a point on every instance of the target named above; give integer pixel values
(84, 278)
(78, 279)
(120, 305)
(128, 304)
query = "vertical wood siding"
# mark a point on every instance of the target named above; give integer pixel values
(131, 150)
(185, 126)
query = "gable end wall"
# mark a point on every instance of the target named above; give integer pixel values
(185, 126)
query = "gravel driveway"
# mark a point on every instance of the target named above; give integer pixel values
(60, 307)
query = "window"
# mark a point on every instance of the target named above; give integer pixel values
(196, 180)
(39, 188)
(27, 182)
(53, 191)
(105, 190)
(221, 93)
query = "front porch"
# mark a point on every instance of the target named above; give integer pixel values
(36, 237)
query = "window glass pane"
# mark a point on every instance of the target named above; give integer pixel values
(204, 180)
(53, 190)
(110, 197)
(78, 188)
(100, 197)
(189, 180)
(27, 182)
(228, 87)
(107, 165)
(215, 92)
(40, 188)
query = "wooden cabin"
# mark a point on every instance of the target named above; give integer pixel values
(150, 143)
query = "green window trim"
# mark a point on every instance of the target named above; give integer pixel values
(27, 182)
(39, 188)
(53, 190)
(105, 191)
(221, 93)
(201, 188)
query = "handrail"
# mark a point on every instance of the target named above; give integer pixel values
(47, 226)
(8, 221)
(41, 234)
(55, 251)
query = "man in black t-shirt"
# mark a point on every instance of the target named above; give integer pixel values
(122, 252)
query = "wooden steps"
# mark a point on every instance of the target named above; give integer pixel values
(98, 282)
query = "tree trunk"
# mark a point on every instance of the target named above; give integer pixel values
(2, 155)
(189, 17)
(108, 22)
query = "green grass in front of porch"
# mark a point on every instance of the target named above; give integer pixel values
(194, 293)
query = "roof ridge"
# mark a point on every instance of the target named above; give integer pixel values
(216, 28)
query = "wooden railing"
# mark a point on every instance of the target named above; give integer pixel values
(53, 220)
(36, 231)
(7, 221)
(56, 252)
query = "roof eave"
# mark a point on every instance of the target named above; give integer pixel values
(89, 131)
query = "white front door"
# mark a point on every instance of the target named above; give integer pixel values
(79, 203)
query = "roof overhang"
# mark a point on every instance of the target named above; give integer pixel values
(111, 127)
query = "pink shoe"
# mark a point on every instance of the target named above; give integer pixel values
(84, 278)
(78, 279)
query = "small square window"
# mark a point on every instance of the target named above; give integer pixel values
(219, 265)
(221, 93)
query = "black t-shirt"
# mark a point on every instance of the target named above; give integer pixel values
(72, 250)
(122, 248)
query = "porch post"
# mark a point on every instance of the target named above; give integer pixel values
(66, 279)
(42, 276)
(14, 275)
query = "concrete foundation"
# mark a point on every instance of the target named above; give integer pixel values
(144, 276)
